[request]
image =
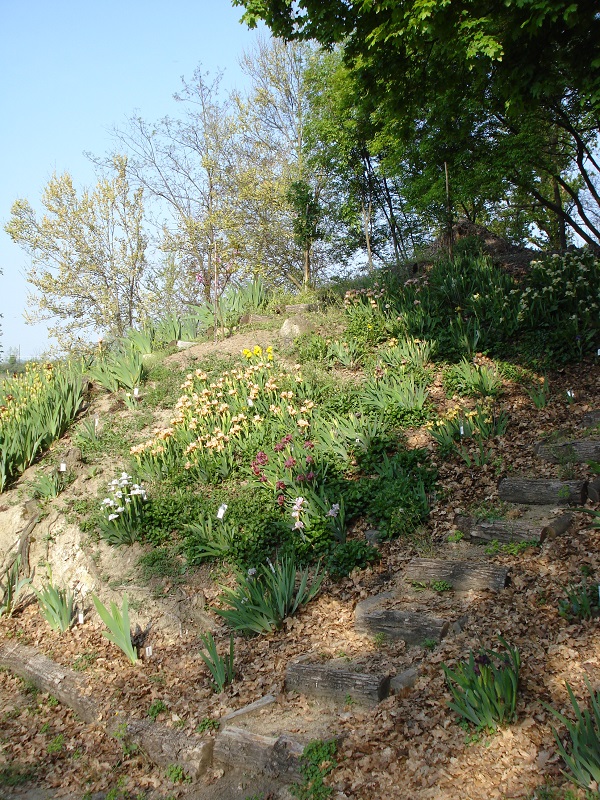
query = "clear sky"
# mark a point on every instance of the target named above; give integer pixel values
(69, 72)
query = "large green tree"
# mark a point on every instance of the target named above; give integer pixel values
(88, 256)
(501, 93)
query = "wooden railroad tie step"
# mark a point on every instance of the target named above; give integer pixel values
(461, 575)
(542, 491)
(513, 530)
(407, 626)
(576, 451)
(268, 755)
(327, 682)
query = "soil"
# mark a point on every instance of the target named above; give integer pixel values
(410, 745)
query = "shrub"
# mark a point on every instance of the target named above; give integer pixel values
(484, 688)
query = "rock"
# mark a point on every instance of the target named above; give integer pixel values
(373, 536)
(294, 327)
(405, 680)
(594, 490)
(591, 419)
(182, 345)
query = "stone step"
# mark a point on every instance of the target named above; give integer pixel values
(542, 491)
(461, 575)
(411, 627)
(577, 451)
(333, 683)
(513, 530)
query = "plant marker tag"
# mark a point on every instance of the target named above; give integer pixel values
(570, 393)
(462, 430)
(149, 651)
(96, 423)
(250, 402)
(599, 351)
(80, 618)
(221, 511)
(63, 467)
(136, 392)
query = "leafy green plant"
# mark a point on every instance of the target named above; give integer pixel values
(429, 644)
(581, 602)
(205, 541)
(176, 774)
(539, 393)
(484, 688)
(119, 628)
(316, 762)
(455, 536)
(400, 399)
(157, 707)
(264, 597)
(16, 774)
(441, 586)
(346, 556)
(474, 380)
(57, 605)
(123, 511)
(56, 745)
(35, 409)
(221, 667)
(207, 724)
(48, 484)
(121, 369)
(11, 587)
(582, 753)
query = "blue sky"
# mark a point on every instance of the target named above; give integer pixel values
(69, 72)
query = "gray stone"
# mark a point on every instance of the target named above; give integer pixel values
(182, 345)
(373, 536)
(301, 308)
(294, 327)
(405, 680)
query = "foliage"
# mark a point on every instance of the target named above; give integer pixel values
(581, 602)
(480, 424)
(11, 587)
(35, 409)
(48, 484)
(119, 628)
(207, 724)
(56, 605)
(316, 762)
(582, 754)
(205, 541)
(156, 707)
(221, 667)
(88, 254)
(561, 302)
(347, 556)
(474, 380)
(124, 511)
(120, 368)
(539, 393)
(265, 596)
(484, 688)
(399, 399)
(176, 774)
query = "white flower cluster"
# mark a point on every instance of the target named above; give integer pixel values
(122, 491)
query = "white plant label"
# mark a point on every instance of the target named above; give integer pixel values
(250, 402)
(136, 392)
(222, 509)
(63, 466)
(80, 618)
(96, 423)
(149, 651)
(462, 430)
(570, 393)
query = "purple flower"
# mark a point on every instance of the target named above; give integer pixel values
(309, 445)
(280, 500)
(289, 463)
(280, 485)
(310, 476)
(262, 458)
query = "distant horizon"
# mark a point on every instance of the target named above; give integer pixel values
(68, 76)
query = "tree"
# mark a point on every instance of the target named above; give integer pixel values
(488, 88)
(187, 165)
(88, 255)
